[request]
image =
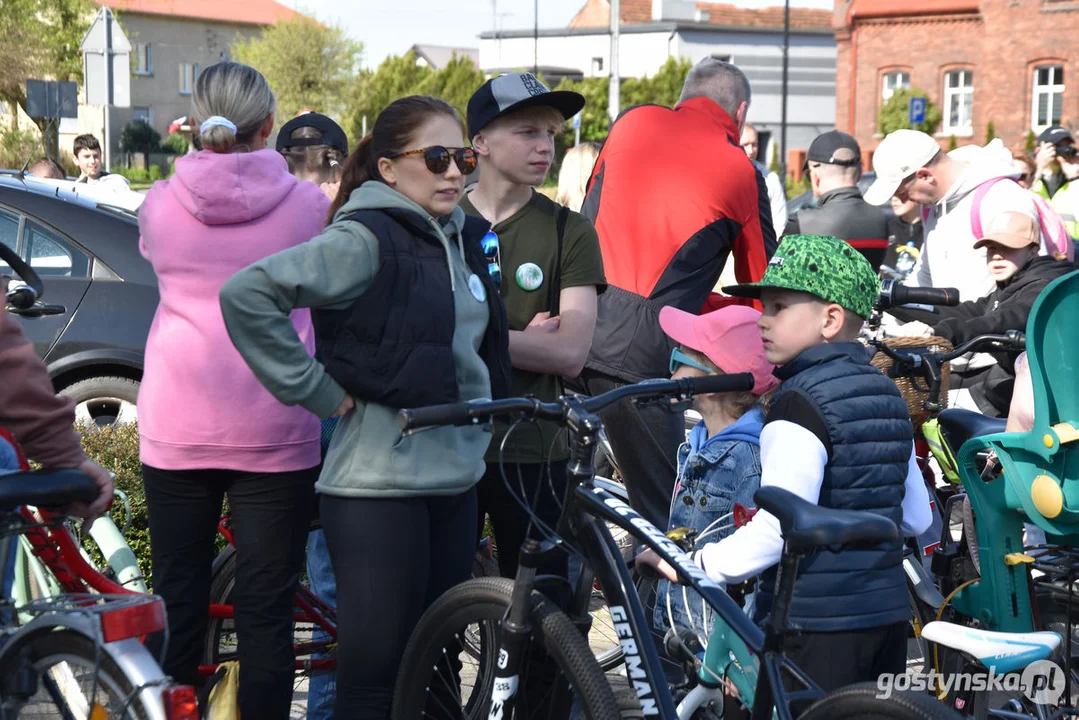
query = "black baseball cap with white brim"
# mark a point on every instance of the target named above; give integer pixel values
(898, 156)
(517, 91)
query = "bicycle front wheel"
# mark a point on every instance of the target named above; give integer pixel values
(864, 701)
(72, 677)
(440, 677)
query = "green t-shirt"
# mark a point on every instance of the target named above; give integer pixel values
(531, 236)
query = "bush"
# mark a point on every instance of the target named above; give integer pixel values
(16, 146)
(117, 449)
(953, 142)
(990, 132)
(1032, 142)
(175, 144)
(139, 137)
(895, 113)
(794, 189)
(139, 175)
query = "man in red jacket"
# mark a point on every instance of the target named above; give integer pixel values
(672, 196)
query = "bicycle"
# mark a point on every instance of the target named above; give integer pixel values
(79, 656)
(517, 623)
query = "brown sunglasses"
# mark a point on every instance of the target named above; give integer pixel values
(437, 158)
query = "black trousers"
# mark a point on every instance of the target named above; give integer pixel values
(392, 557)
(837, 659)
(270, 518)
(509, 519)
(645, 442)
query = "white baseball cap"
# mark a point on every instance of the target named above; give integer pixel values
(895, 159)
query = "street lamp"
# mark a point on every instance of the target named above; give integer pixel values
(786, 62)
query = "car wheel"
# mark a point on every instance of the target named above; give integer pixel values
(104, 401)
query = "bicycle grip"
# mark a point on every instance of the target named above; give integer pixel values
(434, 416)
(904, 295)
(739, 382)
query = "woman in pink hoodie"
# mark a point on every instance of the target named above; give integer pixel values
(207, 426)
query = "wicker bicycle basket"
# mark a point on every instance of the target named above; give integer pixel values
(916, 394)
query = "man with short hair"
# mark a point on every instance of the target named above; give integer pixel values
(46, 168)
(834, 166)
(777, 193)
(1057, 167)
(672, 196)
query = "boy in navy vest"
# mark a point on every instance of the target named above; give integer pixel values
(838, 435)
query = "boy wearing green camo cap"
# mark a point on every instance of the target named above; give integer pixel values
(838, 435)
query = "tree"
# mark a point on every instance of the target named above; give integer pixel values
(663, 88)
(1031, 142)
(139, 137)
(396, 77)
(990, 132)
(776, 165)
(308, 65)
(455, 83)
(41, 41)
(953, 142)
(894, 114)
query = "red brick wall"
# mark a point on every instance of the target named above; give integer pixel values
(1001, 44)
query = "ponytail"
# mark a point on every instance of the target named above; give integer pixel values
(360, 167)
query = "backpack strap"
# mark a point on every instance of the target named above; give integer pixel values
(1054, 233)
(556, 281)
(976, 206)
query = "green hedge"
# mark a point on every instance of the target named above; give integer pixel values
(139, 175)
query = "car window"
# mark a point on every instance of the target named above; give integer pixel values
(9, 235)
(52, 256)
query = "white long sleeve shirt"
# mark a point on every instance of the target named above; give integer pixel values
(794, 458)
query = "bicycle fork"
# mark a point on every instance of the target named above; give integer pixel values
(516, 631)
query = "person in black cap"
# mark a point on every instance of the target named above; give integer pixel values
(834, 166)
(1057, 167)
(315, 148)
(548, 260)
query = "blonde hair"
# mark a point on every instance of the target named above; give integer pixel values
(574, 175)
(317, 163)
(238, 93)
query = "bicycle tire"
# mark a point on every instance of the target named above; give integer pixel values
(46, 650)
(863, 700)
(486, 600)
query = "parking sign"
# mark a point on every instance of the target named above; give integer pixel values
(917, 110)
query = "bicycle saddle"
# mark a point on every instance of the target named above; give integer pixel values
(47, 489)
(959, 426)
(1003, 651)
(807, 527)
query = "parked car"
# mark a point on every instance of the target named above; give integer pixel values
(87, 254)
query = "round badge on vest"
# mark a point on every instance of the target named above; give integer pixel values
(529, 276)
(475, 286)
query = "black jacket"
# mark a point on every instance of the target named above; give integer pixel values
(394, 344)
(1006, 308)
(844, 214)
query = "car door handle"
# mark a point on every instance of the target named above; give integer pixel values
(38, 309)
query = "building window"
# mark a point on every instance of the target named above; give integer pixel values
(188, 73)
(1048, 96)
(722, 58)
(958, 100)
(145, 114)
(597, 65)
(892, 81)
(144, 59)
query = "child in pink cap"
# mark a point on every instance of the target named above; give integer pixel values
(720, 463)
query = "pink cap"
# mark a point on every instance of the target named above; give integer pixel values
(729, 337)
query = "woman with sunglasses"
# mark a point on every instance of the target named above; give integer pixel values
(405, 315)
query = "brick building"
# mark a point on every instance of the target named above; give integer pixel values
(1002, 61)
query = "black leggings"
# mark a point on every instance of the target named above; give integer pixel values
(270, 519)
(392, 557)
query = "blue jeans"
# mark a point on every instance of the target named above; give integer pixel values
(322, 687)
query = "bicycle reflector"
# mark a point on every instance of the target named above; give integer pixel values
(742, 514)
(133, 619)
(180, 703)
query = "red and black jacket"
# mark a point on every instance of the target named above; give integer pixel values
(672, 196)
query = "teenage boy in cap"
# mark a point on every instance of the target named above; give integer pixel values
(1011, 255)
(838, 435)
(910, 165)
(1057, 167)
(549, 263)
(834, 166)
(315, 148)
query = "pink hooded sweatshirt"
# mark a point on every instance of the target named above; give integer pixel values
(200, 407)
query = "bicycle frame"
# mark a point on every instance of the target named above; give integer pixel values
(737, 647)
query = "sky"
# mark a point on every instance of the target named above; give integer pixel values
(391, 27)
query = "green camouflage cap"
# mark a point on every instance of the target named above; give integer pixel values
(820, 265)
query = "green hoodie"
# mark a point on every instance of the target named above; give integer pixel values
(368, 456)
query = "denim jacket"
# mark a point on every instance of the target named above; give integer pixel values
(713, 474)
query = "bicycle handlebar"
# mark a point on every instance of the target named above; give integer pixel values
(892, 294)
(478, 411)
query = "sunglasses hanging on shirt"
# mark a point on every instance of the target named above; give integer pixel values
(493, 254)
